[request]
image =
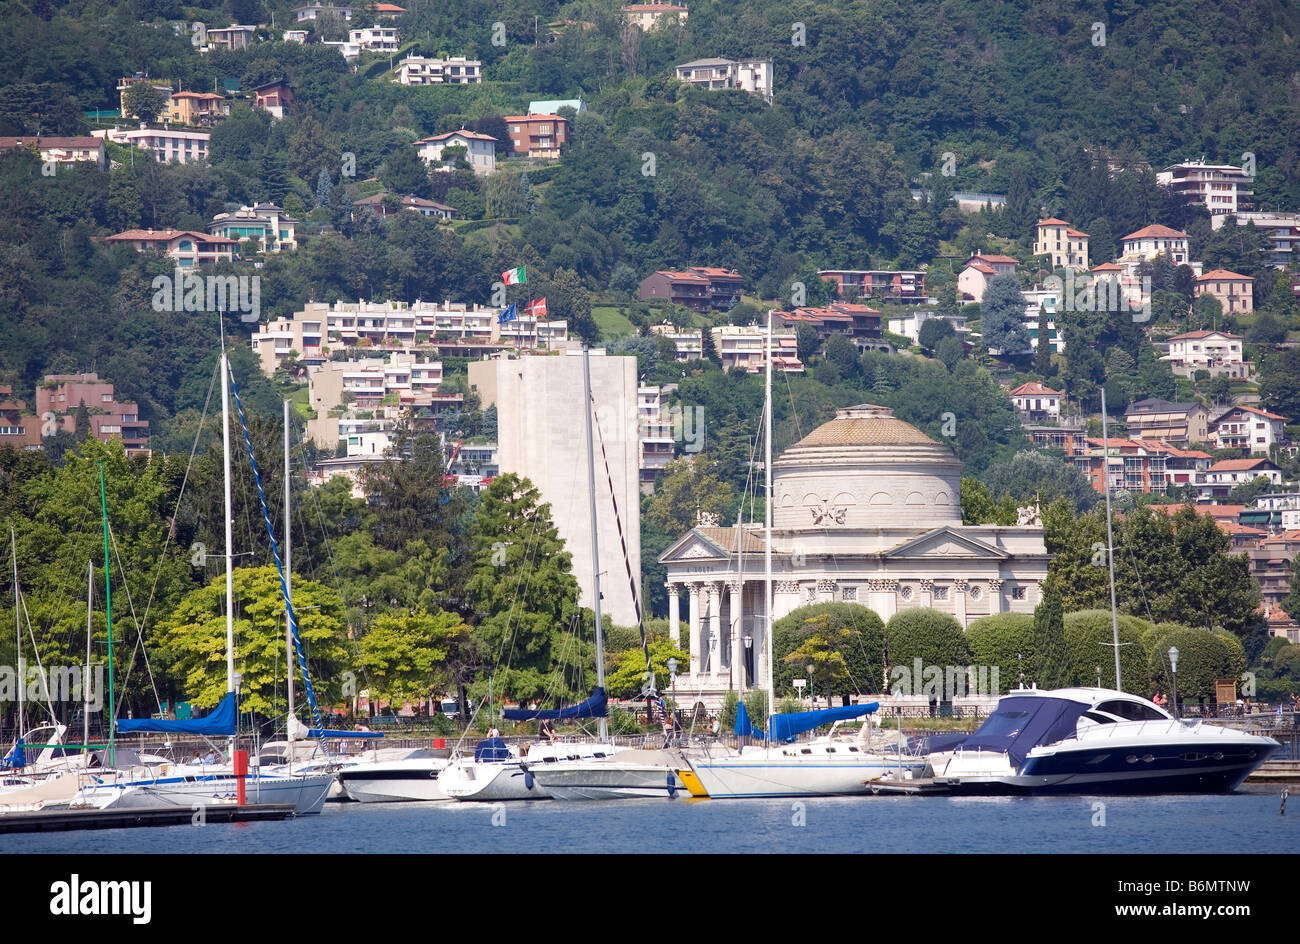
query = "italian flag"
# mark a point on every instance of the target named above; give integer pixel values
(514, 276)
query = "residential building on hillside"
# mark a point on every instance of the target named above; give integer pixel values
(368, 382)
(751, 75)
(197, 108)
(60, 396)
(267, 224)
(700, 288)
(230, 38)
(645, 16)
(1216, 351)
(1154, 418)
(19, 427)
(186, 247)
(979, 269)
(420, 70)
(742, 346)
(1234, 292)
(1269, 562)
(275, 97)
(655, 434)
(859, 323)
(1066, 247)
(379, 205)
(909, 325)
(1252, 430)
(375, 38)
(168, 145)
(1040, 302)
(1274, 512)
(1281, 229)
(1154, 240)
(886, 285)
(480, 150)
(688, 341)
(1221, 188)
(1066, 434)
(1226, 474)
(537, 136)
(59, 150)
(312, 11)
(162, 86)
(1035, 402)
(296, 36)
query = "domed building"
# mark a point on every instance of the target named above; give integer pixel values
(867, 509)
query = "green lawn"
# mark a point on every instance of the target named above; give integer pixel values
(612, 324)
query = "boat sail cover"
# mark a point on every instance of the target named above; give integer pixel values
(743, 726)
(593, 707)
(785, 727)
(220, 722)
(1020, 723)
(16, 758)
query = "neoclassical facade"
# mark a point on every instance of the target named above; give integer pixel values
(867, 509)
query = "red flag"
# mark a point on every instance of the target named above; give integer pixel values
(536, 308)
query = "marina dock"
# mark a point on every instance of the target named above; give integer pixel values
(46, 821)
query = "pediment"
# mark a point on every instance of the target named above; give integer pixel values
(944, 543)
(694, 546)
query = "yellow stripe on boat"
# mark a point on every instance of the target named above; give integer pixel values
(692, 783)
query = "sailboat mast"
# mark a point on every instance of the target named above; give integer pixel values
(85, 685)
(18, 631)
(108, 608)
(288, 586)
(767, 525)
(230, 571)
(595, 544)
(1110, 540)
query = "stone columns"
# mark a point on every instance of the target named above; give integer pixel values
(737, 620)
(694, 591)
(959, 588)
(883, 597)
(995, 596)
(674, 615)
(715, 627)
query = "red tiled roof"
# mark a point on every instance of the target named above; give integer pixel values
(1075, 232)
(206, 95)
(1034, 389)
(683, 276)
(1251, 409)
(1107, 267)
(715, 271)
(463, 133)
(981, 267)
(1198, 335)
(1221, 274)
(166, 235)
(1053, 221)
(988, 258)
(1237, 465)
(1156, 230)
(1232, 527)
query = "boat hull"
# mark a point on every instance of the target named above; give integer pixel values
(392, 784)
(306, 793)
(785, 776)
(611, 782)
(490, 783)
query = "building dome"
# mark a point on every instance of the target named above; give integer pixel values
(866, 469)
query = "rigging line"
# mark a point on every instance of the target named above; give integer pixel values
(180, 495)
(139, 632)
(49, 702)
(627, 563)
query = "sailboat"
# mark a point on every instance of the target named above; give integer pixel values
(495, 773)
(779, 768)
(186, 784)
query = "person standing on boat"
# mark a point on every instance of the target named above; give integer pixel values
(546, 732)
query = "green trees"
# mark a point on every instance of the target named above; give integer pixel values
(1008, 641)
(1089, 640)
(1202, 657)
(192, 640)
(921, 633)
(521, 588)
(414, 655)
(144, 101)
(1002, 315)
(844, 642)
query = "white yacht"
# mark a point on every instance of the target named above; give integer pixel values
(627, 774)
(414, 777)
(1097, 740)
(500, 773)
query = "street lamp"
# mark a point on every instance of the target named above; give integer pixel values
(1173, 664)
(749, 645)
(1099, 676)
(812, 697)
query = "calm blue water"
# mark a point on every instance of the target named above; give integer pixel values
(1246, 822)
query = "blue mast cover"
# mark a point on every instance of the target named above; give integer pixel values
(220, 723)
(785, 727)
(593, 707)
(743, 727)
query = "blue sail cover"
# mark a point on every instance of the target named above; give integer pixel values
(1021, 723)
(593, 707)
(743, 726)
(491, 749)
(785, 727)
(16, 758)
(221, 722)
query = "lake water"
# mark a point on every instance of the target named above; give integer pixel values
(1245, 822)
